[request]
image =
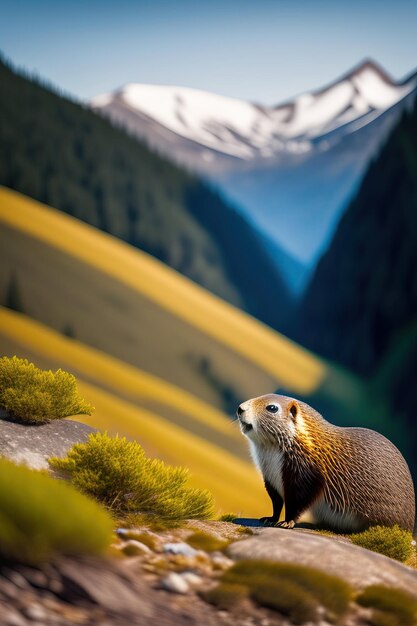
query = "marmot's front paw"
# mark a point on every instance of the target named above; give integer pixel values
(269, 521)
(285, 524)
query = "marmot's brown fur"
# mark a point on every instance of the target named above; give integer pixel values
(350, 478)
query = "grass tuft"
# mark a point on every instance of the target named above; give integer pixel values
(41, 517)
(117, 473)
(393, 542)
(35, 396)
(228, 517)
(391, 607)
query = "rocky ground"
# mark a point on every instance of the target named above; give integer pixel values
(156, 577)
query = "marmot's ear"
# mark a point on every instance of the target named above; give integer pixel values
(293, 409)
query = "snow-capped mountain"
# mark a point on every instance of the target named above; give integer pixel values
(255, 152)
(247, 131)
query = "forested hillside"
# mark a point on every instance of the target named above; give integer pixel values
(64, 155)
(361, 306)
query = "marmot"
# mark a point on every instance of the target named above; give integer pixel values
(349, 478)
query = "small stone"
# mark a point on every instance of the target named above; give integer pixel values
(13, 619)
(36, 612)
(175, 583)
(17, 579)
(36, 578)
(8, 589)
(56, 586)
(191, 578)
(221, 561)
(180, 548)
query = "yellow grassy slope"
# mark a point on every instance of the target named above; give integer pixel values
(294, 368)
(117, 389)
(233, 481)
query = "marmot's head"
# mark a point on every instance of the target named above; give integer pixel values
(269, 419)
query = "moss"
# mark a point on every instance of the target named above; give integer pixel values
(379, 618)
(287, 598)
(390, 605)
(41, 517)
(326, 533)
(226, 595)
(393, 542)
(207, 542)
(331, 592)
(35, 396)
(244, 530)
(117, 473)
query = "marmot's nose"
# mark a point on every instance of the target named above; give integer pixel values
(240, 411)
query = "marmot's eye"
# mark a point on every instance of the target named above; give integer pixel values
(272, 408)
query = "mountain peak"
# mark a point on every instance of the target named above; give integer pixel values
(369, 64)
(199, 127)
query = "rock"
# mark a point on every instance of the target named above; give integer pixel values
(17, 579)
(12, 618)
(175, 583)
(356, 565)
(221, 561)
(132, 547)
(36, 612)
(112, 590)
(32, 445)
(180, 548)
(194, 580)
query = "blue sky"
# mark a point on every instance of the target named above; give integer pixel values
(262, 50)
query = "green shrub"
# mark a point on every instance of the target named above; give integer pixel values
(36, 396)
(207, 542)
(391, 607)
(393, 542)
(117, 473)
(41, 517)
(306, 587)
(225, 595)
